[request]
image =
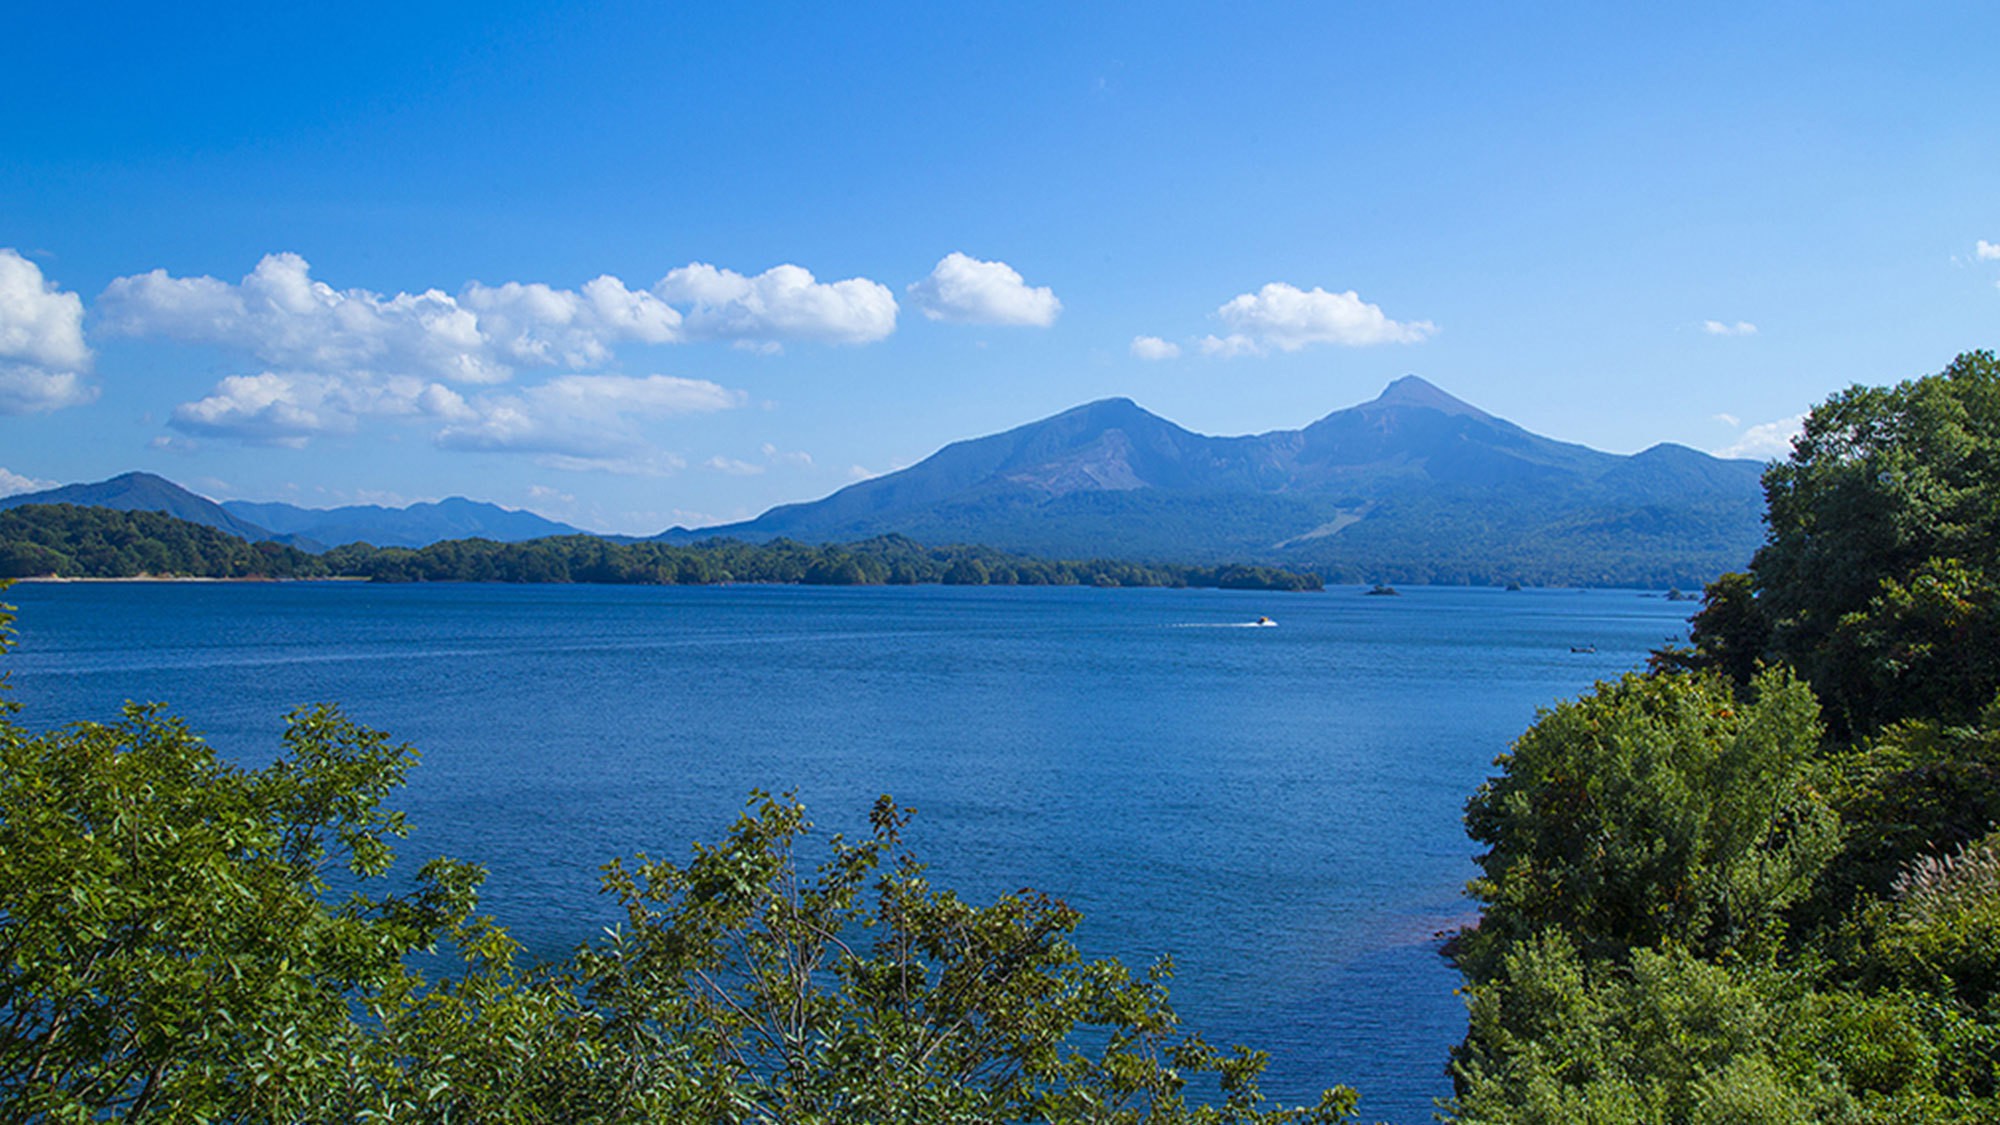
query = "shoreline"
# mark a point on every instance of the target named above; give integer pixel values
(58, 578)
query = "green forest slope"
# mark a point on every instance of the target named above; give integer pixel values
(1761, 883)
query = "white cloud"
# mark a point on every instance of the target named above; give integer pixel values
(1727, 419)
(586, 416)
(289, 321)
(1724, 328)
(14, 484)
(1152, 347)
(732, 466)
(1766, 441)
(1287, 318)
(290, 408)
(782, 303)
(1229, 347)
(1987, 251)
(535, 324)
(42, 353)
(963, 288)
(39, 323)
(282, 316)
(580, 418)
(26, 389)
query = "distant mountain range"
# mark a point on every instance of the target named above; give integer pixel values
(418, 525)
(1415, 486)
(312, 529)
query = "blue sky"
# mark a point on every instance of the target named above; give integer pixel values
(638, 265)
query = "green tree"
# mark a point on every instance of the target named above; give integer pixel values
(169, 945)
(747, 986)
(1885, 485)
(1654, 809)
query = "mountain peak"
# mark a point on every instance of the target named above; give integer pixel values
(1416, 391)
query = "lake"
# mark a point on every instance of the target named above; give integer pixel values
(1277, 808)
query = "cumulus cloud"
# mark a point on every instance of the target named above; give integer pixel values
(1286, 318)
(581, 421)
(577, 416)
(1766, 441)
(1230, 346)
(1154, 348)
(782, 303)
(290, 321)
(285, 318)
(1725, 328)
(1987, 251)
(290, 408)
(964, 289)
(42, 354)
(13, 484)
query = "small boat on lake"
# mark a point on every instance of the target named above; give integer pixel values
(1264, 621)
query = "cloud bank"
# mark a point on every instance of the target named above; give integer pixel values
(964, 289)
(42, 354)
(285, 318)
(334, 357)
(1767, 441)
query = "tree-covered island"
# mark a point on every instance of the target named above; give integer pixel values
(67, 541)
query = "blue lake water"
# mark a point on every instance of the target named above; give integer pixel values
(1277, 808)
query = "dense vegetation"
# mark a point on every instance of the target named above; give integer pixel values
(69, 541)
(1761, 883)
(74, 542)
(181, 940)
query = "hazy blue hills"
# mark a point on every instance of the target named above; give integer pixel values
(313, 529)
(417, 525)
(1414, 486)
(144, 492)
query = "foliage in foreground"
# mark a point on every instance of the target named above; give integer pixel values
(1712, 895)
(173, 947)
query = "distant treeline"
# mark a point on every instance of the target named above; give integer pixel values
(72, 542)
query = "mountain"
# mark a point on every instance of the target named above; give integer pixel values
(145, 492)
(1414, 486)
(418, 525)
(311, 529)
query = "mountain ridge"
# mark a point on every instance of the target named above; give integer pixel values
(311, 529)
(1413, 485)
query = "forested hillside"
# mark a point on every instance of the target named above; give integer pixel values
(1761, 883)
(62, 540)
